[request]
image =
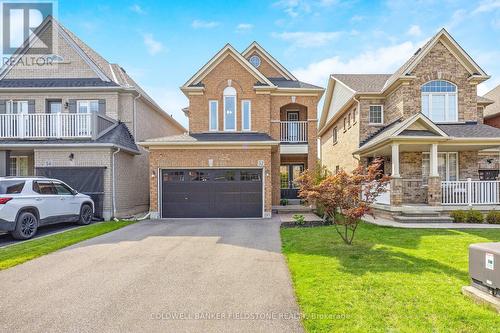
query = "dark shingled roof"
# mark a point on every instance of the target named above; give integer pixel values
(119, 135)
(417, 133)
(55, 83)
(284, 83)
(363, 82)
(471, 130)
(378, 132)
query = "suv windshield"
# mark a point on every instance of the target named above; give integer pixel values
(11, 186)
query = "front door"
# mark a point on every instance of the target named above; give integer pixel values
(289, 174)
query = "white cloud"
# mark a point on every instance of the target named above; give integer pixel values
(381, 60)
(200, 24)
(458, 17)
(495, 23)
(414, 31)
(136, 8)
(308, 39)
(357, 18)
(154, 47)
(487, 6)
(294, 8)
(244, 27)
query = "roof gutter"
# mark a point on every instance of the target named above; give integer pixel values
(208, 143)
(70, 145)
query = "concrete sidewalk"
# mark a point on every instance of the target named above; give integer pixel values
(390, 223)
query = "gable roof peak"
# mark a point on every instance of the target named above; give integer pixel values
(271, 60)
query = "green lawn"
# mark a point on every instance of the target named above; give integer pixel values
(17, 254)
(390, 280)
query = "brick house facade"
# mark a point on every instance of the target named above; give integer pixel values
(425, 121)
(246, 111)
(77, 116)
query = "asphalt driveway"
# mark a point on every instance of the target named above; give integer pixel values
(170, 276)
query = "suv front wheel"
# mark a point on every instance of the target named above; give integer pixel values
(26, 226)
(86, 215)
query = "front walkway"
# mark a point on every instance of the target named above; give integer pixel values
(426, 225)
(157, 276)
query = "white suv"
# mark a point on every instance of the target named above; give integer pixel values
(27, 203)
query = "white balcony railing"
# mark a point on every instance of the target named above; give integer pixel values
(43, 125)
(470, 192)
(293, 131)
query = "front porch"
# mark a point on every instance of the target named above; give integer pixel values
(435, 175)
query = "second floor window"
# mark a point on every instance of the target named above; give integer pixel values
(213, 116)
(230, 109)
(17, 107)
(87, 106)
(334, 135)
(376, 116)
(246, 115)
(439, 101)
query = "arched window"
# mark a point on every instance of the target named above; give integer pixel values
(439, 101)
(229, 109)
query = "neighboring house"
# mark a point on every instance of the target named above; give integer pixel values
(425, 121)
(492, 109)
(77, 120)
(252, 130)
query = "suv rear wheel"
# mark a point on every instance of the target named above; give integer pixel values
(86, 215)
(26, 226)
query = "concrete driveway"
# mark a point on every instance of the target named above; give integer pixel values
(169, 276)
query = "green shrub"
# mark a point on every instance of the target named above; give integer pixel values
(474, 216)
(459, 216)
(284, 202)
(493, 217)
(299, 219)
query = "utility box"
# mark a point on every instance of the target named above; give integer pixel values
(484, 267)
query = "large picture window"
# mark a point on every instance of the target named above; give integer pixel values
(230, 109)
(439, 101)
(447, 166)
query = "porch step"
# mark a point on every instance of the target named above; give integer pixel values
(422, 219)
(416, 213)
(290, 209)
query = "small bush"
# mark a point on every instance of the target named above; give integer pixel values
(493, 217)
(459, 216)
(284, 202)
(299, 219)
(474, 216)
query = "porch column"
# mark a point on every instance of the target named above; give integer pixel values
(395, 160)
(396, 193)
(434, 182)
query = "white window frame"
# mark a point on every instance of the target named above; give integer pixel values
(10, 106)
(381, 114)
(243, 129)
(87, 102)
(210, 115)
(447, 95)
(16, 159)
(225, 95)
(426, 155)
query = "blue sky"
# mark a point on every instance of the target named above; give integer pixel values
(162, 43)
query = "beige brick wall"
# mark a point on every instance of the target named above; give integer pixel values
(468, 164)
(340, 153)
(198, 158)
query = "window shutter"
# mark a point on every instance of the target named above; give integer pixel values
(31, 106)
(3, 106)
(102, 106)
(72, 105)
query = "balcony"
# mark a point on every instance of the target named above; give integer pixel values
(53, 126)
(293, 132)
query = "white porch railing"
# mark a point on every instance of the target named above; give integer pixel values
(470, 192)
(43, 125)
(293, 131)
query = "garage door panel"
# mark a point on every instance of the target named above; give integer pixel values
(211, 193)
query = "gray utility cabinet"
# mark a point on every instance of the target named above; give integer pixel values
(484, 267)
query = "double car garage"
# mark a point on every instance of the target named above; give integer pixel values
(211, 193)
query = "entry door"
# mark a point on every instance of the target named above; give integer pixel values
(54, 107)
(289, 175)
(293, 126)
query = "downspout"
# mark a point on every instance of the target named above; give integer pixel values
(134, 115)
(113, 183)
(359, 115)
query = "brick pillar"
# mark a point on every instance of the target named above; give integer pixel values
(434, 191)
(396, 191)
